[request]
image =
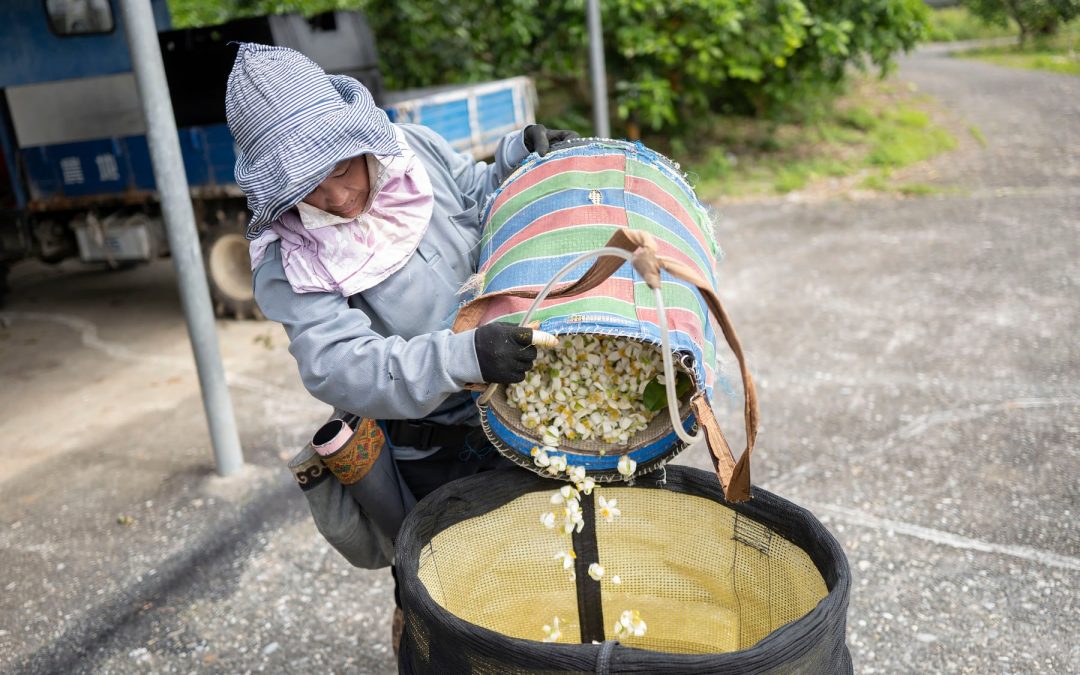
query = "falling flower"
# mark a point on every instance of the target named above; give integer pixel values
(574, 518)
(540, 457)
(557, 465)
(564, 494)
(548, 520)
(608, 510)
(567, 558)
(552, 632)
(629, 623)
(596, 571)
(627, 466)
(576, 473)
(586, 486)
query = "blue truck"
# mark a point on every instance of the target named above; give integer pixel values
(76, 178)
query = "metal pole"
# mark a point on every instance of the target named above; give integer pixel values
(179, 218)
(601, 124)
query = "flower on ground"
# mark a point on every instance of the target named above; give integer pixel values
(616, 580)
(629, 623)
(627, 466)
(608, 510)
(548, 520)
(552, 632)
(596, 571)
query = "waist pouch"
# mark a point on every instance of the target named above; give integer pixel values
(337, 515)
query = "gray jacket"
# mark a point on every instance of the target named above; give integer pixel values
(388, 352)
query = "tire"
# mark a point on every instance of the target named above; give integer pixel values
(228, 271)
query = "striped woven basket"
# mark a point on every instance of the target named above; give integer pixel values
(613, 197)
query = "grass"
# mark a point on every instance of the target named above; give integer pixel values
(1058, 53)
(1056, 60)
(978, 135)
(950, 24)
(878, 127)
(918, 189)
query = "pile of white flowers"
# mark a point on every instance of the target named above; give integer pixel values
(587, 387)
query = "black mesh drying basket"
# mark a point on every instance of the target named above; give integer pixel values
(754, 587)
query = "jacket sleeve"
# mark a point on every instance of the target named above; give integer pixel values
(473, 178)
(346, 364)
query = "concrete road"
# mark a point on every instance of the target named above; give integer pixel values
(918, 371)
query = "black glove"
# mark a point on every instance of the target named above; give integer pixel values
(504, 351)
(539, 138)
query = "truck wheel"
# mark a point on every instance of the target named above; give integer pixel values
(228, 269)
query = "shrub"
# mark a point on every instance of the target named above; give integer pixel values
(669, 62)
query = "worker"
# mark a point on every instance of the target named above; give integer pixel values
(362, 232)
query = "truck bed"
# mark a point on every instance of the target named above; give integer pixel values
(472, 117)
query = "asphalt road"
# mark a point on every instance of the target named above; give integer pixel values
(918, 373)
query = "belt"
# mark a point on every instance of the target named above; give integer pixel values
(426, 435)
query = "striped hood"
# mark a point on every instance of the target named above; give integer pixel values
(292, 124)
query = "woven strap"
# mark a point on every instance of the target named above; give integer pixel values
(734, 476)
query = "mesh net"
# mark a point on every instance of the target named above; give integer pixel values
(740, 588)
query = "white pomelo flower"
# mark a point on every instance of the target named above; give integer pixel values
(629, 624)
(567, 558)
(601, 375)
(608, 510)
(565, 494)
(552, 632)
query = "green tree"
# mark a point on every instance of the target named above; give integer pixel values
(1037, 18)
(671, 63)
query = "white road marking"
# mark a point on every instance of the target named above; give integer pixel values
(920, 424)
(862, 519)
(88, 333)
